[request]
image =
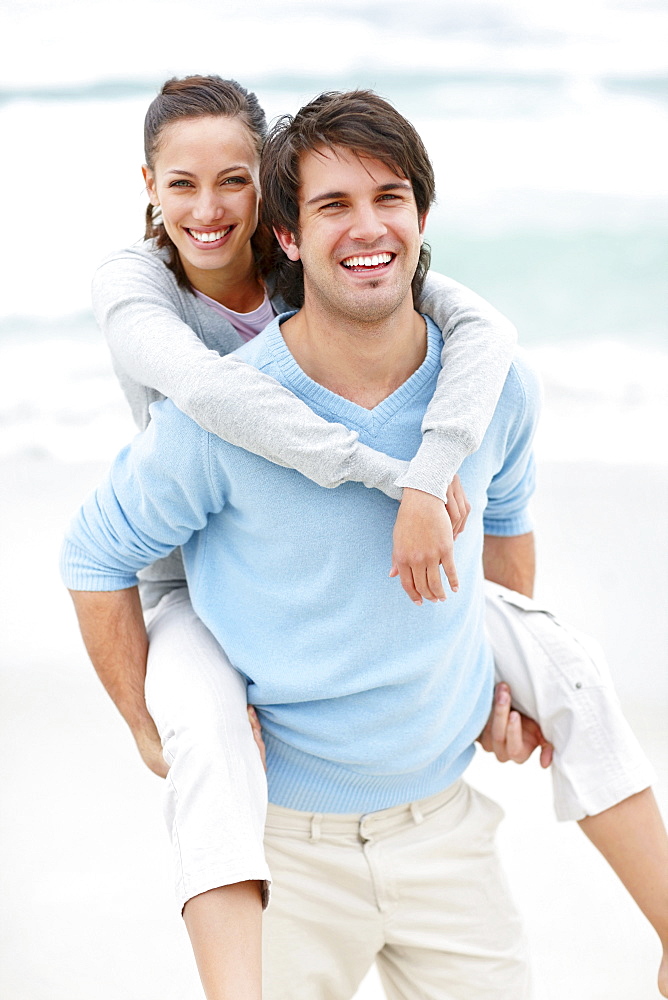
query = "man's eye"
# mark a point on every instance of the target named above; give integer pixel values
(333, 204)
(389, 197)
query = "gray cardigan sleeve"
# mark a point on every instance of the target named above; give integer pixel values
(142, 313)
(478, 347)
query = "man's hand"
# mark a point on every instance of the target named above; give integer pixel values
(423, 541)
(150, 748)
(257, 734)
(511, 735)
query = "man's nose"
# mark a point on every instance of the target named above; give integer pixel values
(367, 224)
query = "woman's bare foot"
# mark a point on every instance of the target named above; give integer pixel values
(663, 974)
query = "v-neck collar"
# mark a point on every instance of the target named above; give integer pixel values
(349, 412)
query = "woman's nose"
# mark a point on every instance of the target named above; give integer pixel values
(209, 208)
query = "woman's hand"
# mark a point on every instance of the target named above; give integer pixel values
(423, 541)
(511, 735)
(458, 506)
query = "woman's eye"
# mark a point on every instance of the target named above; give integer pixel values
(180, 183)
(235, 180)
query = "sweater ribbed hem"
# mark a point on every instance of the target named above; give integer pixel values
(301, 781)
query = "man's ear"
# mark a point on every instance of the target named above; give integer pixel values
(149, 181)
(288, 243)
(423, 222)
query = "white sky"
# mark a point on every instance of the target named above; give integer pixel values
(45, 42)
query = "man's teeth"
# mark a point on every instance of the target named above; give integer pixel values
(209, 237)
(380, 258)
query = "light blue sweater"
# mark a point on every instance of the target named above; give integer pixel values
(365, 699)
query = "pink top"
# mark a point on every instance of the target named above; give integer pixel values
(247, 325)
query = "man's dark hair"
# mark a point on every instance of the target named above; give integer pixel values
(361, 122)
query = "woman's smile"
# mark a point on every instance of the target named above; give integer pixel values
(208, 239)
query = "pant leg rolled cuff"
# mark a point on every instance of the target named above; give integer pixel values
(597, 800)
(217, 878)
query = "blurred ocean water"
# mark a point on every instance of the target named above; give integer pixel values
(548, 132)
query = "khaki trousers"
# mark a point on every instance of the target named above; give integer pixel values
(416, 888)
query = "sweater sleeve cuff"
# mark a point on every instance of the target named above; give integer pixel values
(376, 470)
(436, 462)
(508, 527)
(79, 572)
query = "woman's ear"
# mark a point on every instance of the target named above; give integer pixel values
(288, 243)
(149, 181)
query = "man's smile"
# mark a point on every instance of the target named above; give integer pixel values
(372, 262)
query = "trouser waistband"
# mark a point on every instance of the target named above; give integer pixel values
(313, 826)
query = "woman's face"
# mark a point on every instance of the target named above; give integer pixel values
(205, 180)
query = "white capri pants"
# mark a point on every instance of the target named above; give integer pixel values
(560, 677)
(215, 797)
(216, 792)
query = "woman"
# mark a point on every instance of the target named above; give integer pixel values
(202, 284)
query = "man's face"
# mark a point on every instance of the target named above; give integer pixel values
(360, 235)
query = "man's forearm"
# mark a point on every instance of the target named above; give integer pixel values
(112, 626)
(510, 561)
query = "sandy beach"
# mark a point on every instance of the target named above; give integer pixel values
(86, 880)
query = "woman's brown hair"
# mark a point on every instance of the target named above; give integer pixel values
(203, 97)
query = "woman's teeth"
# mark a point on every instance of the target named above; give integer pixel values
(381, 258)
(209, 237)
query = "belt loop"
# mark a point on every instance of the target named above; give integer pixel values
(416, 813)
(316, 820)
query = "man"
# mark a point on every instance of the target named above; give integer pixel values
(369, 704)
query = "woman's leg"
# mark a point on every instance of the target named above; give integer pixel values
(601, 776)
(215, 797)
(225, 928)
(632, 839)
